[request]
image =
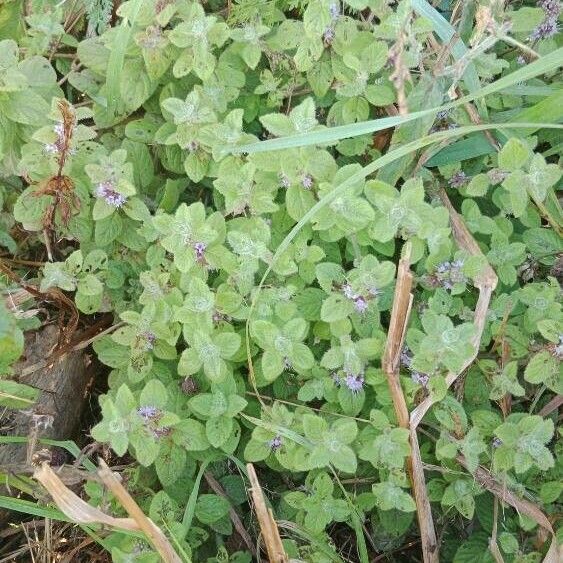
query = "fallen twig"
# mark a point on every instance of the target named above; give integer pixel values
(485, 282)
(235, 518)
(268, 526)
(400, 312)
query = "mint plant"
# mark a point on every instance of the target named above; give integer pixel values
(233, 186)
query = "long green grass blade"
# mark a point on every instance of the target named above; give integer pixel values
(190, 506)
(446, 32)
(117, 60)
(325, 136)
(32, 508)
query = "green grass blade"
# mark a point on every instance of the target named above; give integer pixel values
(190, 506)
(446, 32)
(542, 65)
(32, 508)
(117, 60)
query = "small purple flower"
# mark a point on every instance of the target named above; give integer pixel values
(199, 248)
(328, 35)
(275, 443)
(336, 378)
(106, 191)
(50, 148)
(450, 273)
(349, 292)
(284, 180)
(546, 29)
(497, 442)
(558, 350)
(149, 338)
(458, 180)
(552, 8)
(361, 305)
(192, 146)
(354, 382)
(334, 10)
(148, 412)
(521, 60)
(374, 292)
(420, 378)
(307, 181)
(287, 365)
(406, 357)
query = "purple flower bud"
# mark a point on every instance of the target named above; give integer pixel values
(284, 181)
(328, 36)
(106, 191)
(192, 146)
(59, 130)
(149, 338)
(287, 365)
(275, 443)
(552, 8)
(406, 357)
(199, 248)
(307, 181)
(458, 180)
(354, 382)
(420, 378)
(360, 305)
(336, 378)
(148, 412)
(349, 292)
(50, 148)
(334, 10)
(521, 60)
(546, 29)
(497, 442)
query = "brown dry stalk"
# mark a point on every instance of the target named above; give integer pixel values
(235, 518)
(154, 534)
(485, 282)
(80, 512)
(522, 506)
(400, 312)
(268, 526)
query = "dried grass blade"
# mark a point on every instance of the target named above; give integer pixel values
(147, 526)
(400, 312)
(268, 526)
(485, 282)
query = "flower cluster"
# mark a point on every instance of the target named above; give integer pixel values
(458, 180)
(548, 27)
(450, 273)
(275, 443)
(360, 302)
(106, 191)
(416, 376)
(354, 382)
(328, 35)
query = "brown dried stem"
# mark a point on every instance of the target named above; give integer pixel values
(485, 282)
(268, 526)
(400, 312)
(235, 518)
(151, 531)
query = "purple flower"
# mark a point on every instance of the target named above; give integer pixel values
(334, 10)
(450, 273)
(148, 412)
(50, 148)
(420, 378)
(275, 443)
(497, 442)
(199, 248)
(373, 291)
(287, 365)
(406, 357)
(349, 292)
(354, 382)
(328, 35)
(192, 146)
(361, 305)
(149, 338)
(307, 181)
(552, 8)
(284, 180)
(546, 29)
(521, 60)
(336, 378)
(458, 180)
(106, 191)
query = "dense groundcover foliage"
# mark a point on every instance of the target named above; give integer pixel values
(121, 129)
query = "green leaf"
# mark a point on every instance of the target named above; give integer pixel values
(389, 496)
(17, 395)
(211, 508)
